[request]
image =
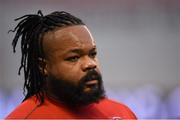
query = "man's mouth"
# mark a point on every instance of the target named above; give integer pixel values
(91, 82)
(91, 85)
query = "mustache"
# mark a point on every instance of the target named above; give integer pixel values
(91, 75)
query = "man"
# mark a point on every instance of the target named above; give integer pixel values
(61, 70)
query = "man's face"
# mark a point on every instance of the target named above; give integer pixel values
(71, 63)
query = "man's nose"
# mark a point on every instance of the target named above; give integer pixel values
(89, 64)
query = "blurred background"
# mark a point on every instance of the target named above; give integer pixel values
(139, 50)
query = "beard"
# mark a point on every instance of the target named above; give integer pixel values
(73, 94)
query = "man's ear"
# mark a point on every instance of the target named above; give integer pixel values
(43, 66)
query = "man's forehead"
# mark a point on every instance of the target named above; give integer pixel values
(72, 36)
(74, 32)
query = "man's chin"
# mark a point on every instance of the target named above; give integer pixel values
(87, 101)
(89, 96)
(86, 92)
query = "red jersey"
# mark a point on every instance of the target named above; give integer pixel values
(104, 109)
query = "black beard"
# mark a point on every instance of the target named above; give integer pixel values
(74, 95)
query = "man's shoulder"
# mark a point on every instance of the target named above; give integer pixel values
(32, 109)
(110, 102)
(116, 108)
(24, 109)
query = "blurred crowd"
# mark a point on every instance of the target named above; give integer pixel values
(147, 102)
(150, 102)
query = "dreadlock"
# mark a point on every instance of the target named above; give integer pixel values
(30, 30)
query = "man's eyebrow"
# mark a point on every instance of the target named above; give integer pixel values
(75, 51)
(80, 51)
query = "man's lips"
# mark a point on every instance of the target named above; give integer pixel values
(91, 82)
(91, 85)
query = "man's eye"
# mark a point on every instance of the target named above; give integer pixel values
(93, 54)
(73, 59)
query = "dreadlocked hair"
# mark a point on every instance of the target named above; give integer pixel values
(30, 30)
